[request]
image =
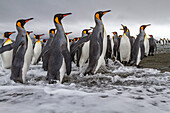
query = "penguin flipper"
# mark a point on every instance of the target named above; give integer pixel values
(67, 58)
(45, 50)
(79, 43)
(142, 50)
(6, 48)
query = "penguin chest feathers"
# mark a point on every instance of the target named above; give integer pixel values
(7, 56)
(125, 48)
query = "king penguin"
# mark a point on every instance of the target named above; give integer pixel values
(37, 48)
(116, 40)
(22, 52)
(7, 55)
(45, 53)
(138, 49)
(84, 50)
(109, 49)
(125, 46)
(98, 44)
(152, 45)
(59, 58)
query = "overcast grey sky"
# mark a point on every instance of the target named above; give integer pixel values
(131, 13)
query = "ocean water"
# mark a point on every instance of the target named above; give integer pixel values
(114, 89)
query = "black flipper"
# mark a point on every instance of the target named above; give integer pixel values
(45, 50)
(142, 49)
(79, 43)
(67, 58)
(6, 48)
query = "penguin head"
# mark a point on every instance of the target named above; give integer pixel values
(29, 32)
(44, 40)
(126, 30)
(70, 40)
(59, 17)
(7, 34)
(99, 14)
(142, 28)
(108, 36)
(52, 31)
(68, 33)
(120, 36)
(151, 36)
(20, 23)
(86, 31)
(114, 33)
(38, 36)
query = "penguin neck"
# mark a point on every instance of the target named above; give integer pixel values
(21, 30)
(51, 35)
(38, 40)
(59, 27)
(98, 22)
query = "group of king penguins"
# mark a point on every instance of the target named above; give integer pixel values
(163, 41)
(92, 48)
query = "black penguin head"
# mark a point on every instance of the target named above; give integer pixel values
(120, 36)
(59, 17)
(70, 40)
(52, 31)
(38, 36)
(108, 36)
(151, 36)
(29, 32)
(86, 31)
(44, 40)
(99, 14)
(126, 30)
(20, 23)
(114, 33)
(67, 33)
(142, 28)
(7, 34)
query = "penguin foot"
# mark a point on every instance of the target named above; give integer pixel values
(52, 81)
(138, 66)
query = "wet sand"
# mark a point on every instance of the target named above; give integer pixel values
(160, 61)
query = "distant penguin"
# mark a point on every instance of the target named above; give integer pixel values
(109, 49)
(138, 49)
(84, 50)
(44, 41)
(7, 55)
(59, 61)
(37, 48)
(45, 53)
(116, 39)
(125, 46)
(22, 52)
(152, 45)
(146, 45)
(98, 44)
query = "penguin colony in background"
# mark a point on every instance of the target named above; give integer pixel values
(59, 52)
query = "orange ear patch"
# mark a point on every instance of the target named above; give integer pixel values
(19, 24)
(57, 21)
(97, 16)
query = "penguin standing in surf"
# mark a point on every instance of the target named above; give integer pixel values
(84, 50)
(37, 48)
(109, 49)
(98, 44)
(125, 46)
(59, 58)
(116, 40)
(45, 53)
(152, 45)
(7, 55)
(22, 52)
(138, 49)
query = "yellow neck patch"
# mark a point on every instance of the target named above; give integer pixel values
(19, 24)
(8, 41)
(3, 35)
(97, 16)
(127, 30)
(84, 32)
(38, 41)
(142, 28)
(56, 20)
(52, 32)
